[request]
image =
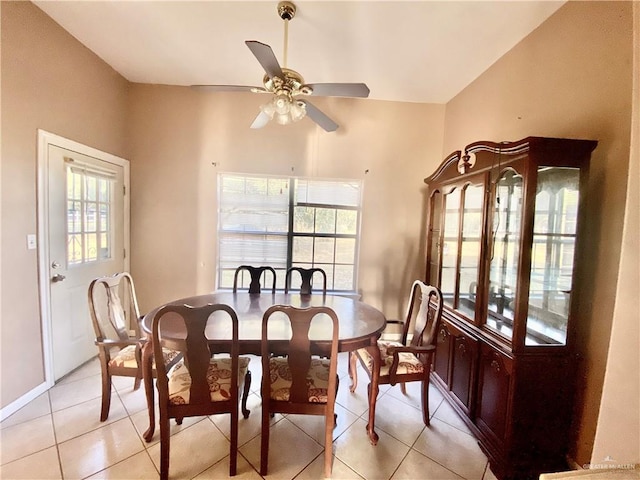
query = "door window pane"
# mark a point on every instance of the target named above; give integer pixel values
(89, 196)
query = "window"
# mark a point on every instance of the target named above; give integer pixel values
(288, 222)
(89, 197)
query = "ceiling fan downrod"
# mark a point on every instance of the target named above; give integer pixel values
(286, 10)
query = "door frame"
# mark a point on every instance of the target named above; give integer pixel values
(45, 139)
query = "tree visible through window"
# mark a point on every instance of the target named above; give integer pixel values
(289, 222)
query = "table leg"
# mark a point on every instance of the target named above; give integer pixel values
(147, 378)
(372, 390)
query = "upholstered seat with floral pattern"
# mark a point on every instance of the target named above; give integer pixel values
(299, 382)
(127, 357)
(218, 378)
(408, 360)
(114, 311)
(317, 379)
(408, 363)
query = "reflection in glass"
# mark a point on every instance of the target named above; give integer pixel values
(450, 247)
(470, 249)
(504, 252)
(554, 237)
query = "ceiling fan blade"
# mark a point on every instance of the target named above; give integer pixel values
(266, 57)
(320, 118)
(340, 90)
(261, 120)
(227, 88)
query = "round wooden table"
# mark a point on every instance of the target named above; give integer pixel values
(360, 326)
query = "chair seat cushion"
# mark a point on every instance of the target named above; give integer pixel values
(218, 378)
(408, 362)
(127, 357)
(317, 379)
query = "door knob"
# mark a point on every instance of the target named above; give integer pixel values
(58, 278)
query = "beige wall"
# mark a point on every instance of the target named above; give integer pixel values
(570, 78)
(620, 405)
(181, 139)
(52, 82)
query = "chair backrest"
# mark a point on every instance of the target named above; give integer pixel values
(256, 273)
(113, 305)
(306, 275)
(427, 318)
(298, 350)
(196, 349)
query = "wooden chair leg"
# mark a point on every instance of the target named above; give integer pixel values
(164, 446)
(138, 379)
(330, 423)
(353, 371)
(425, 401)
(233, 451)
(403, 388)
(106, 393)
(245, 394)
(264, 445)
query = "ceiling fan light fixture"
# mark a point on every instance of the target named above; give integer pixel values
(284, 110)
(287, 86)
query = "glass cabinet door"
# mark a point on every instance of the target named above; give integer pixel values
(553, 249)
(470, 248)
(435, 235)
(504, 252)
(450, 240)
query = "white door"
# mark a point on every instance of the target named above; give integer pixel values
(86, 200)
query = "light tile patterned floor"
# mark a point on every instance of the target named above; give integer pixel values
(58, 435)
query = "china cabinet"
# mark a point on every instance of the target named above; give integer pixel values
(505, 223)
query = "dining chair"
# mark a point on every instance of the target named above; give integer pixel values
(306, 275)
(256, 273)
(114, 312)
(410, 359)
(206, 379)
(295, 382)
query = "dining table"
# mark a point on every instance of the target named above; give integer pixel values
(360, 326)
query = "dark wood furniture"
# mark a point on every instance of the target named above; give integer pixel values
(293, 381)
(306, 276)
(256, 273)
(505, 227)
(360, 326)
(114, 309)
(410, 359)
(201, 383)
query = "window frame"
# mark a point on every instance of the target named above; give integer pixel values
(291, 234)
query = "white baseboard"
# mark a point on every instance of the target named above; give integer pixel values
(16, 405)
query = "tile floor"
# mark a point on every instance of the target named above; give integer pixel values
(58, 435)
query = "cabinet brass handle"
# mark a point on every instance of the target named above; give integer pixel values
(442, 336)
(496, 365)
(462, 349)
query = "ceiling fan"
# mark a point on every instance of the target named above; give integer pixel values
(287, 86)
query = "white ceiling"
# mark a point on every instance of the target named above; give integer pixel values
(417, 51)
